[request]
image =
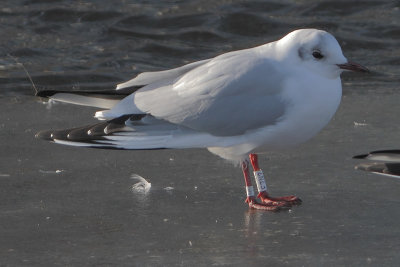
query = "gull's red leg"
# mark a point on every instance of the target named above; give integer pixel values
(262, 188)
(251, 200)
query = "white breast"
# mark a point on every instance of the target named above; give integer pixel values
(311, 104)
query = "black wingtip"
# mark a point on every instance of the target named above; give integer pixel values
(45, 135)
(363, 156)
(112, 92)
(46, 93)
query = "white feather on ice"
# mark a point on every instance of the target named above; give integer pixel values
(142, 186)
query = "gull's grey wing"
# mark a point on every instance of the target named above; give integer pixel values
(146, 78)
(226, 96)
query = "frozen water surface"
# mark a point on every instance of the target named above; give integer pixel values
(65, 206)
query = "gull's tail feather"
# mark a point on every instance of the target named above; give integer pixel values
(94, 98)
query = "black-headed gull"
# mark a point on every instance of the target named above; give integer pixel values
(256, 100)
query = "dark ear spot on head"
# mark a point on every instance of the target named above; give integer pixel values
(301, 53)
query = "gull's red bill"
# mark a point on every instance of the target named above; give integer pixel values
(353, 67)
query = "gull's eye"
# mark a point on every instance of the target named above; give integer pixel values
(317, 54)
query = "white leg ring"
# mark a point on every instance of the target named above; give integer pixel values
(250, 191)
(260, 180)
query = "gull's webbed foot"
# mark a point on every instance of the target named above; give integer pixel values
(286, 201)
(254, 204)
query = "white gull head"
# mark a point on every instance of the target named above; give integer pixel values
(316, 50)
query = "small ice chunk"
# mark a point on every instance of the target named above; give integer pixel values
(142, 186)
(50, 172)
(359, 124)
(50, 103)
(169, 188)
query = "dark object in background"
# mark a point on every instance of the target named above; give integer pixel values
(388, 162)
